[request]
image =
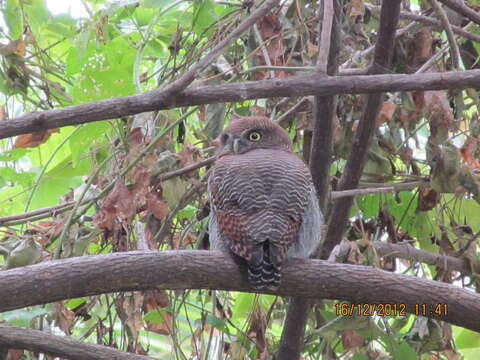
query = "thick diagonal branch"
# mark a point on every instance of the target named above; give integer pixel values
(363, 136)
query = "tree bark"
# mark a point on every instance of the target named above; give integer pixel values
(294, 86)
(15, 337)
(140, 270)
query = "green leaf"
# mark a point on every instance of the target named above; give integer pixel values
(404, 352)
(14, 155)
(218, 323)
(204, 16)
(23, 178)
(466, 339)
(13, 19)
(75, 303)
(23, 317)
(38, 16)
(369, 205)
(243, 306)
(156, 316)
(62, 25)
(50, 191)
(144, 16)
(360, 357)
(81, 141)
(12, 200)
(156, 3)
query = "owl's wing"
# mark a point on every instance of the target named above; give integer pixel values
(309, 236)
(258, 200)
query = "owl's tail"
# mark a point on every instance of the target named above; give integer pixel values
(264, 274)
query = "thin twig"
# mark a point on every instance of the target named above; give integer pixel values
(431, 22)
(460, 7)
(454, 50)
(407, 251)
(325, 37)
(263, 49)
(287, 115)
(361, 54)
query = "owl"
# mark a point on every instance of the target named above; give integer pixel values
(264, 207)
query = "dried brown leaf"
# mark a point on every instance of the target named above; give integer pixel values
(468, 150)
(355, 8)
(158, 300)
(351, 339)
(427, 199)
(117, 205)
(258, 326)
(157, 207)
(33, 139)
(64, 317)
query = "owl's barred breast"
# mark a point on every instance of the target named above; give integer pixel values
(267, 189)
(263, 179)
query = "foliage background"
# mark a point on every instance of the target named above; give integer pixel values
(128, 47)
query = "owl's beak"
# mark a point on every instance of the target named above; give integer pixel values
(236, 145)
(233, 145)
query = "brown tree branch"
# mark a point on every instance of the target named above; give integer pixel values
(15, 337)
(363, 136)
(140, 270)
(460, 7)
(293, 86)
(321, 153)
(454, 50)
(431, 22)
(407, 251)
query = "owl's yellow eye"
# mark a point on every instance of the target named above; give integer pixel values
(254, 136)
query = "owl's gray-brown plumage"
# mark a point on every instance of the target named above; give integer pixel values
(264, 205)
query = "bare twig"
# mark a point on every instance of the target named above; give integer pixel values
(432, 22)
(325, 37)
(59, 209)
(187, 169)
(454, 50)
(460, 7)
(287, 115)
(405, 186)
(407, 251)
(361, 54)
(263, 49)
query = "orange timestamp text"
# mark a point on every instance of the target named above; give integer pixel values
(382, 309)
(386, 309)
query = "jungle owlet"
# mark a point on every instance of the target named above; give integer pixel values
(264, 205)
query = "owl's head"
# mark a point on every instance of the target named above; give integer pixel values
(250, 133)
